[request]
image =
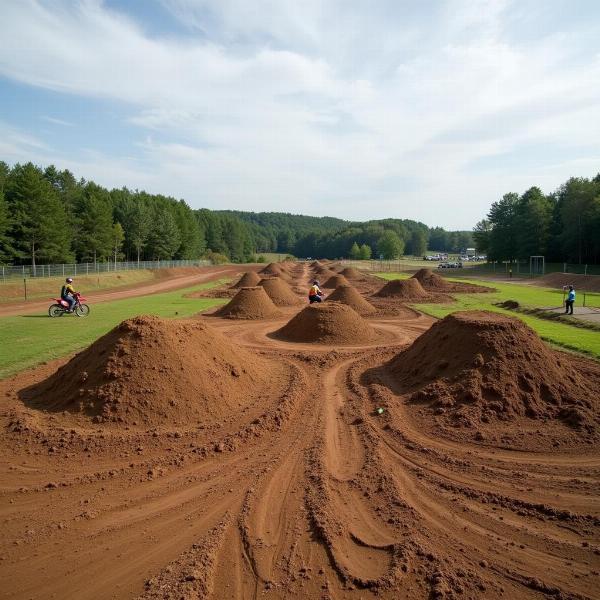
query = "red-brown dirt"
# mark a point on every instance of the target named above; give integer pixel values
(151, 371)
(305, 491)
(275, 270)
(167, 280)
(249, 303)
(408, 290)
(279, 291)
(432, 282)
(335, 281)
(249, 279)
(485, 367)
(588, 283)
(329, 323)
(347, 294)
(351, 273)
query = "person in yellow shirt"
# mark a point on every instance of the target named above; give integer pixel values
(67, 293)
(315, 294)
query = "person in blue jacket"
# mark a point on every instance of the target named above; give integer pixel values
(570, 301)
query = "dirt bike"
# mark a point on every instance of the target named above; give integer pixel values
(62, 306)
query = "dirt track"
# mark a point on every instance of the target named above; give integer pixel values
(172, 279)
(307, 494)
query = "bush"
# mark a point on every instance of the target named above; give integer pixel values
(216, 258)
(261, 259)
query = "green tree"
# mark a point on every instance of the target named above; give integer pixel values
(6, 249)
(579, 205)
(390, 245)
(354, 252)
(117, 239)
(365, 252)
(418, 242)
(503, 217)
(481, 235)
(94, 224)
(163, 239)
(133, 212)
(534, 217)
(39, 225)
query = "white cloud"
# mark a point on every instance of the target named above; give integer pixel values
(362, 111)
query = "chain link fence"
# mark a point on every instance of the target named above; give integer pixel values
(10, 273)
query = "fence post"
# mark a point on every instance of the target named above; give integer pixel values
(63, 269)
(25, 287)
(585, 270)
(564, 267)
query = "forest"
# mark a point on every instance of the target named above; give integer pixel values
(50, 216)
(563, 226)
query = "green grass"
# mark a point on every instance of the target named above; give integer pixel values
(28, 340)
(48, 287)
(560, 334)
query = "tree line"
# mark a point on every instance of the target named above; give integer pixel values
(563, 226)
(49, 216)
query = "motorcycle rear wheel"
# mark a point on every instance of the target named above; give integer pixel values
(56, 310)
(82, 310)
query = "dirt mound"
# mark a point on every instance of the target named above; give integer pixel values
(324, 274)
(403, 289)
(279, 291)
(154, 371)
(485, 366)
(431, 281)
(348, 295)
(328, 323)
(249, 303)
(275, 270)
(351, 273)
(588, 283)
(249, 279)
(335, 281)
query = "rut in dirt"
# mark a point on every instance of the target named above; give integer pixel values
(283, 480)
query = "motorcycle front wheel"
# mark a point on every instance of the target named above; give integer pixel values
(56, 310)
(82, 310)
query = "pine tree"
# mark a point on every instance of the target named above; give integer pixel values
(39, 226)
(93, 240)
(164, 238)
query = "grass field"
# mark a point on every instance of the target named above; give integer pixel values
(47, 287)
(561, 334)
(30, 339)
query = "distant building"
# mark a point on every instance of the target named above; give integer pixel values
(471, 252)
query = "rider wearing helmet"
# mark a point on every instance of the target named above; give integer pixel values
(67, 293)
(315, 294)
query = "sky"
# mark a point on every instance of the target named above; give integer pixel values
(427, 110)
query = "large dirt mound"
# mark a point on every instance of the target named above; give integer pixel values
(484, 366)
(249, 279)
(407, 290)
(249, 303)
(351, 273)
(150, 371)
(589, 283)
(348, 295)
(328, 323)
(279, 291)
(335, 281)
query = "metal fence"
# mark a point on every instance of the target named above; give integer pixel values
(518, 268)
(8, 273)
